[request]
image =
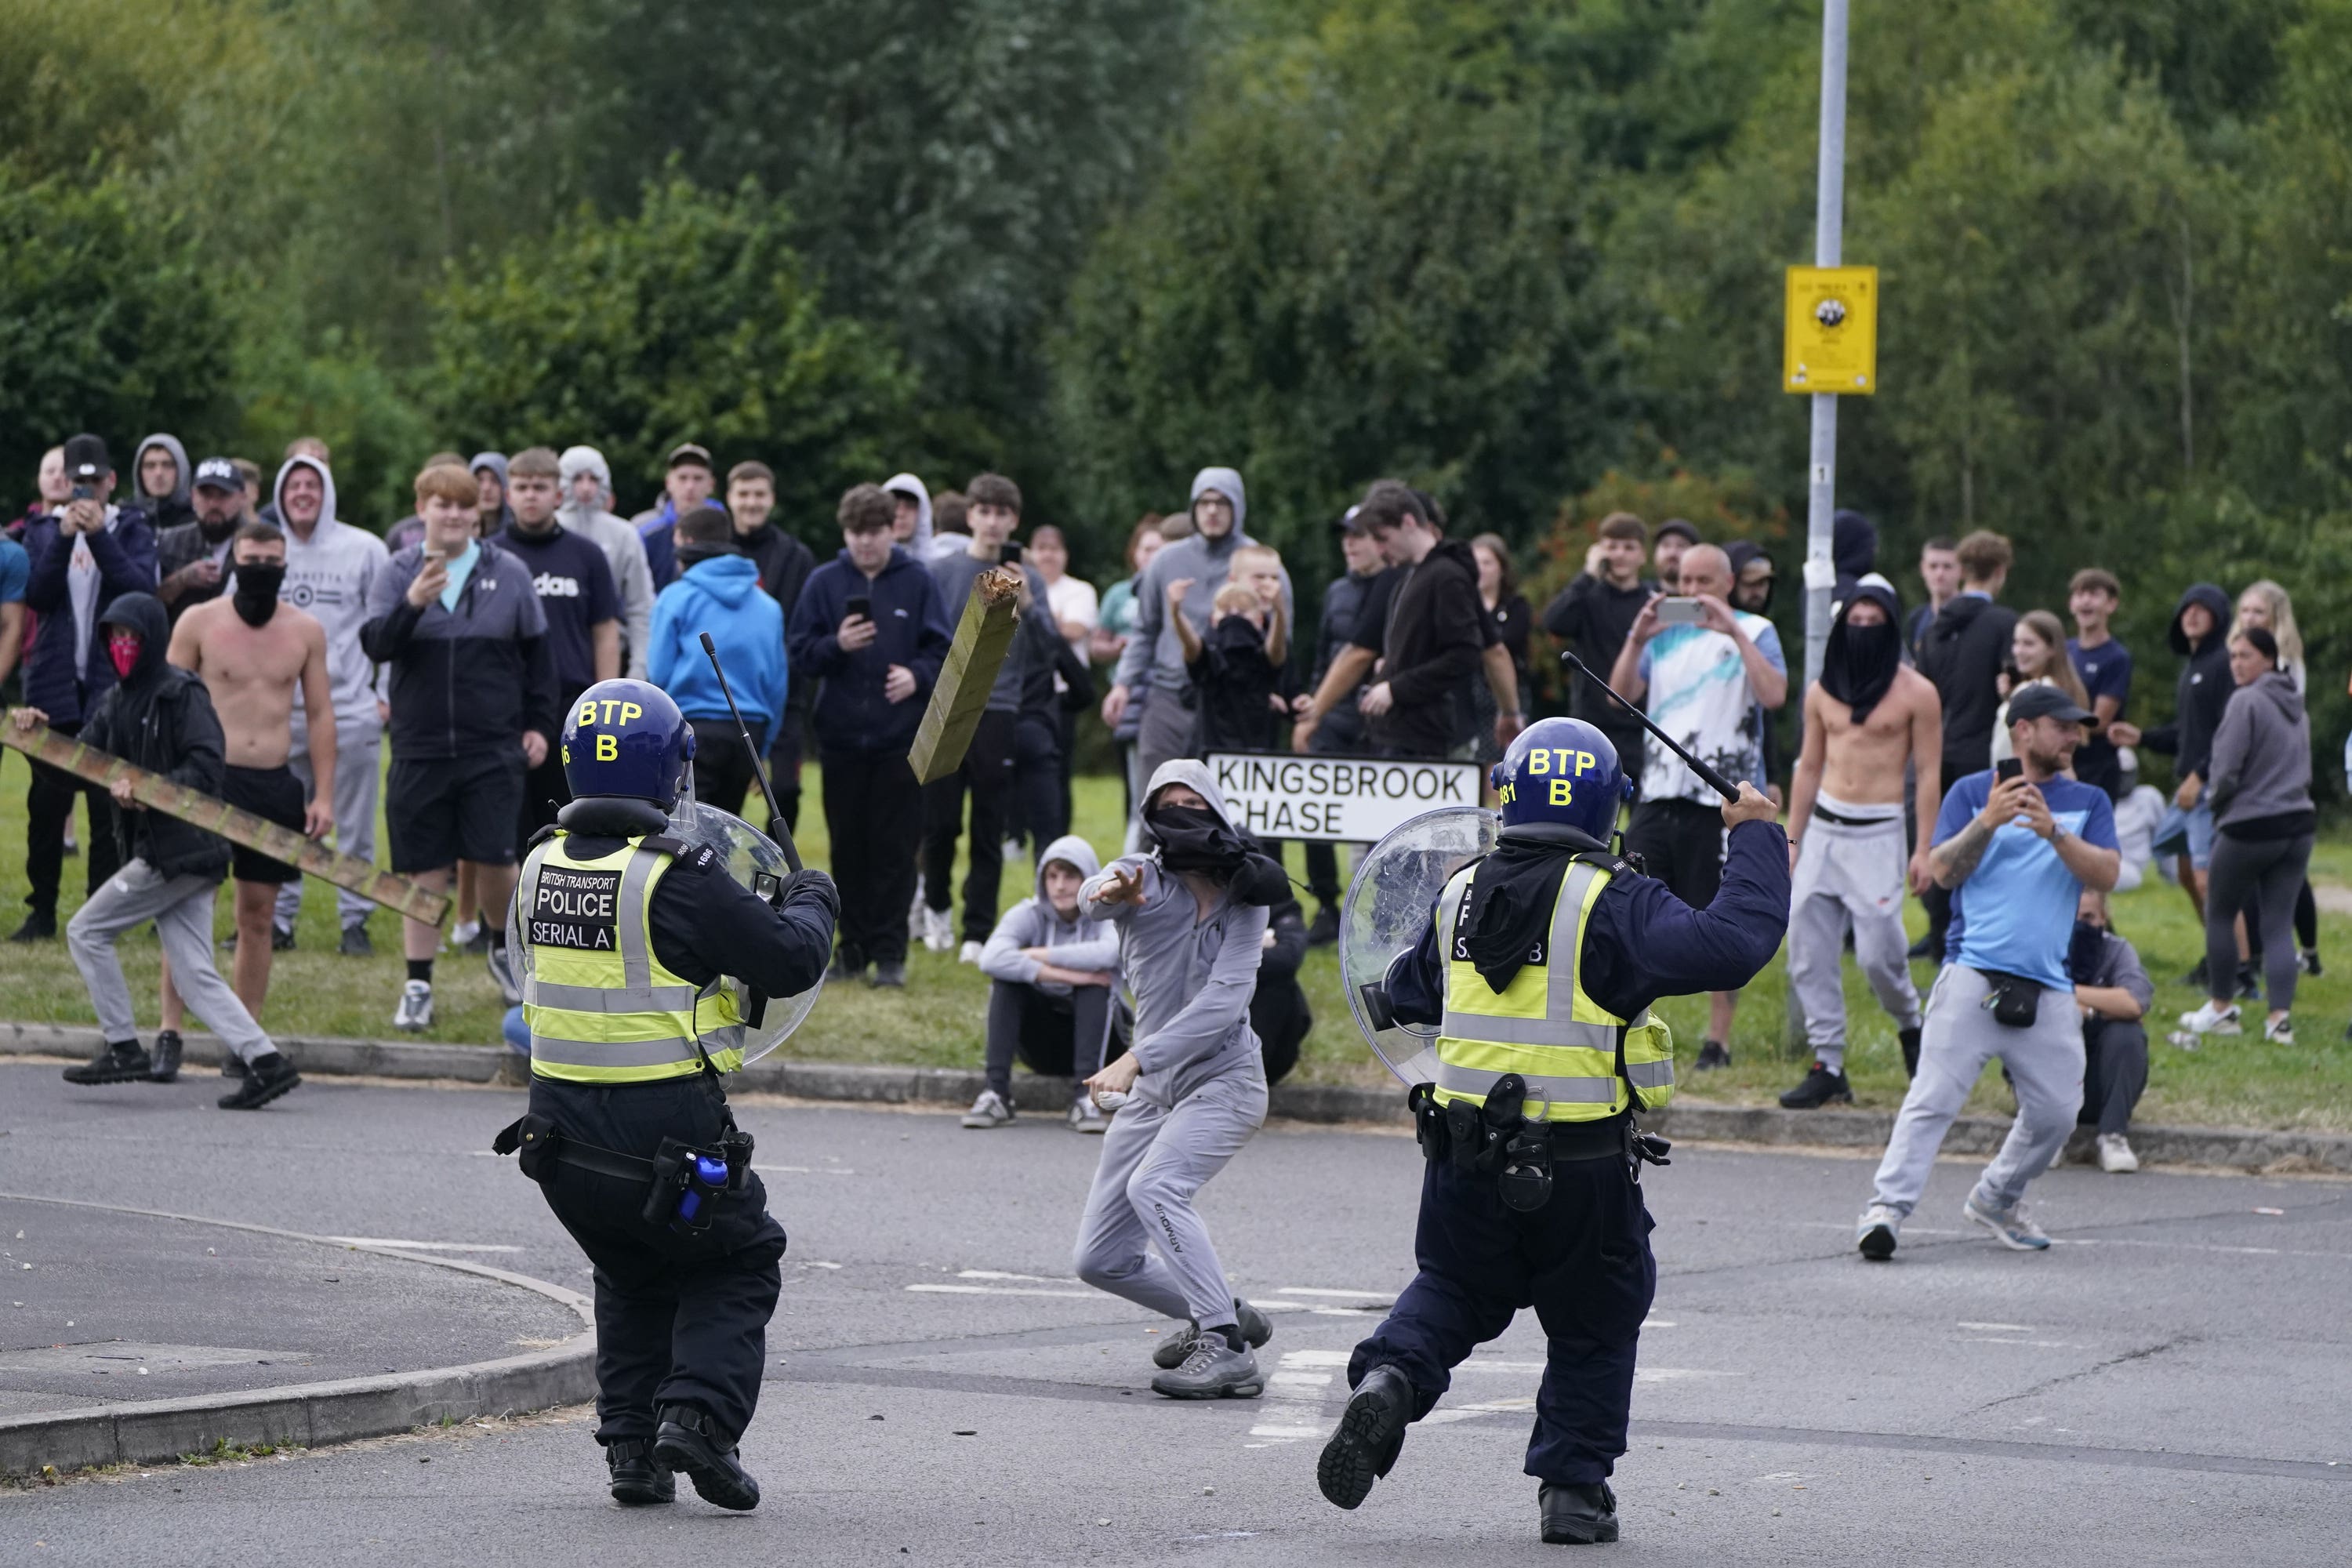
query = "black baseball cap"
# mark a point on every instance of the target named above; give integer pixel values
(1681, 525)
(688, 452)
(2045, 702)
(1345, 523)
(219, 473)
(86, 458)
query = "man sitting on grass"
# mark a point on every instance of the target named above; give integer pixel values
(1050, 969)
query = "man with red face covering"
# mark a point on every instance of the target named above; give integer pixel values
(160, 717)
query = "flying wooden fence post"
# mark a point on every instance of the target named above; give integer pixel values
(157, 792)
(982, 637)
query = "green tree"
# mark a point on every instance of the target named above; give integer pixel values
(693, 320)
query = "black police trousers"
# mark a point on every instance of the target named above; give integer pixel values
(681, 1317)
(1582, 1261)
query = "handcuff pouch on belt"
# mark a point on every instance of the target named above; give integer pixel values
(1495, 1140)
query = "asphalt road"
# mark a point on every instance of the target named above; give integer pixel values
(2167, 1385)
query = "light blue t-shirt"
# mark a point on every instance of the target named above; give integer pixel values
(2015, 914)
(16, 570)
(460, 568)
(1700, 694)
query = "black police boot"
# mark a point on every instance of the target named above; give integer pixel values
(265, 1080)
(119, 1061)
(1910, 1039)
(166, 1066)
(1821, 1086)
(637, 1481)
(689, 1440)
(1370, 1434)
(1578, 1515)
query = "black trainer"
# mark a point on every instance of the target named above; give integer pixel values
(1369, 1436)
(38, 926)
(120, 1061)
(265, 1080)
(890, 974)
(2250, 982)
(1927, 949)
(1821, 1086)
(1578, 1515)
(691, 1441)
(2195, 977)
(1325, 929)
(281, 938)
(166, 1066)
(355, 942)
(637, 1481)
(1910, 1039)
(1712, 1054)
(232, 1065)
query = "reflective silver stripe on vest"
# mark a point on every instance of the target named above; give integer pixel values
(1559, 1026)
(1651, 1075)
(1556, 1090)
(636, 955)
(671, 1052)
(598, 999)
(1487, 1029)
(637, 992)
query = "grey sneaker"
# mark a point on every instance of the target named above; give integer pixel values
(414, 1014)
(1256, 1326)
(2010, 1226)
(1213, 1371)
(989, 1110)
(1875, 1236)
(1085, 1116)
(501, 961)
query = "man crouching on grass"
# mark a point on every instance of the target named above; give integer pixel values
(160, 719)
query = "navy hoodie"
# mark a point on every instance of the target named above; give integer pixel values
(2203, 694)
(122, 553)
(851, 714)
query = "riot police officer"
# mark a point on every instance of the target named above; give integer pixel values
(1539, 968)
(624, 934)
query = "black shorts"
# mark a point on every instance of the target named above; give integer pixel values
(273, 795)
(1680, 844)
(440, 810)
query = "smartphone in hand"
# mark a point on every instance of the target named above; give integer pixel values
(862, 605)
(1678, 610)
(2010, 768)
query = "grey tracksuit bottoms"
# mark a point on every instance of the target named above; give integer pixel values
(1141, 1237)
(1960, 1037)
(1849, 873)
(182, 908)
(358, 754)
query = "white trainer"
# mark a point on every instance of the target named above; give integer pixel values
(414, 1014)
(2115, 1156)
(967, 953)
(938, 931)
(1875, 1234)
(1085, 1116)
(989, 1110)
(2279, 1031)
(2209, 1019)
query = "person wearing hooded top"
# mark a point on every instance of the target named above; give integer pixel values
(718, 593)
(2199, 702)
(578, 601)
(910, 525)
(587, 510)
(1539, 965)
(1051, 968)
(1962, 651)
(80, 557)
(1853, 550)
(192, 559)
(1867, 719)
(2260, 796)
(1191, 913)
(497, 513)
(784, 564)
(332, 569)
(1154, 656)
(687, 482)
(161, 478)
(160, 719)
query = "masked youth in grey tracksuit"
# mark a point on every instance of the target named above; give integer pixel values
(1201, 1093)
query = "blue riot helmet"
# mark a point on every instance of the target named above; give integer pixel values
(1564, 770)
(626, 738)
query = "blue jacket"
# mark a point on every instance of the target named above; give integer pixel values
(125, 555)
(721, 596)
(851, 714)
(1642, 942)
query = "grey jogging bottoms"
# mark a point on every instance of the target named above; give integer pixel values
(1141, 1237)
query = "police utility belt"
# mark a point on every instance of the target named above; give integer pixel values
(685, 1186)
(1499, 1140)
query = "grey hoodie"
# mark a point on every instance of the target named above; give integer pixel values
(919, 544)
(166, 512)
(1192, 977)
(625, 552)
(2262, 754)
(329, 575)
(1077, 943)
(1154, 652)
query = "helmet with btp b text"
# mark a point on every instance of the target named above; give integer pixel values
(1564, 770)
(626, 738)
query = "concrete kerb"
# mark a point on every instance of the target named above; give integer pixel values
(2215, 1148)
(309, 1414)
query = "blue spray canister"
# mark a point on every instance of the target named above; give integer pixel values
(709, 1171)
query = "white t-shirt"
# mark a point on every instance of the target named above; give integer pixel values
(1700, 694)
(1072, 600)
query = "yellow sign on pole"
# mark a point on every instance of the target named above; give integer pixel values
(1830, 344)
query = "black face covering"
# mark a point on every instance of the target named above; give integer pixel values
(256, 593)
(2083, 951)
(1195, 838)
(1858, 665)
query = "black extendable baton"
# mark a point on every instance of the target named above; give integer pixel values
(1708, 775)
(776, 829)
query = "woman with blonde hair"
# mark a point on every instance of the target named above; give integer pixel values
(2265, 605)
(2037, 657)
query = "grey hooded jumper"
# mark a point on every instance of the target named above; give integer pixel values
(1202, 1093)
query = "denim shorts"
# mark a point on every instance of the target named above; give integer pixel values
(2187, 833)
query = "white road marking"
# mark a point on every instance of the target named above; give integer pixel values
(1002, 1290)
(1997, 1328)
(1338, 1295)
(1315, 1358)
(1021, 1279)
(423, 1246)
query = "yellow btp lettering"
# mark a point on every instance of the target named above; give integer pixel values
(631, 710)
(1539, 761)
(1585, 762)
(608, 749)
(1561, 793)
(587, 713)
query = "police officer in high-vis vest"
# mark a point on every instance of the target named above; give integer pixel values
(623, 935)
(1539, 968)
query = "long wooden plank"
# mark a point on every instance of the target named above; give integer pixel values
(982, 637)
(156, 793)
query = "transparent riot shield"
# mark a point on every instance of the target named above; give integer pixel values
(1390, 902)
(753, 858)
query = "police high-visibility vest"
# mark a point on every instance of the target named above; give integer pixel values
(600, 1006)
(1543, 1025)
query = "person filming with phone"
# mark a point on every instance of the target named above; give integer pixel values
(1709, 672)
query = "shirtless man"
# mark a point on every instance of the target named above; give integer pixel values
(1866, 718)
(252, 652)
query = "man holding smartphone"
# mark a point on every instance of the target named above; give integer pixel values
(1707, 671)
